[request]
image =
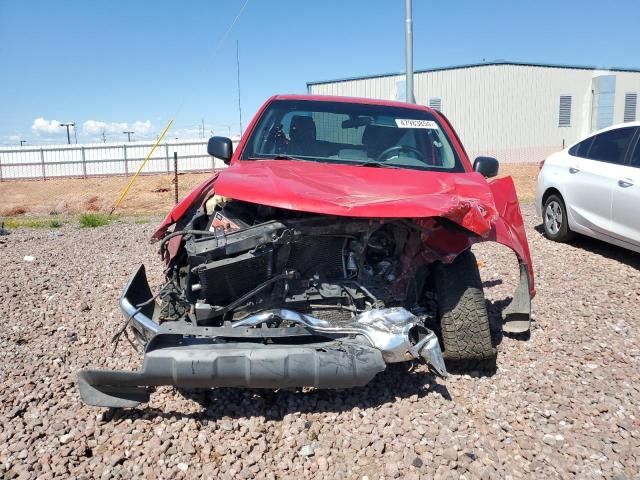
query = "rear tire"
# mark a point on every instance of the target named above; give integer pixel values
(555, 220)
(464, 320)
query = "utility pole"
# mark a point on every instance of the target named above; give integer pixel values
(104, 137)
(238, 69)
(408, 37)
(22, 142)
(68, 124)
(128, 133)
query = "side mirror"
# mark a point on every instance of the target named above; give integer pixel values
(220, 147)
(487, 166)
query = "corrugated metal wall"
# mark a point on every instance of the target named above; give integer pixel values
(507, 111)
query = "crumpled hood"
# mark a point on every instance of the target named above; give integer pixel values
(490, 210)
(344, 190)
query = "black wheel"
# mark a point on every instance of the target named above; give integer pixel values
(555, 220)
(464, 320)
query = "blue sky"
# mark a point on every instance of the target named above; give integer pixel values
(115, 65)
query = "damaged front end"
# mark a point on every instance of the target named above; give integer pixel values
(291, 300)
(258, 351)
(259, 296)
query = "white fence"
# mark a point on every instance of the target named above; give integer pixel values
(101, 159)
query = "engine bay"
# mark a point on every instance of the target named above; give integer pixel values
(242, 258)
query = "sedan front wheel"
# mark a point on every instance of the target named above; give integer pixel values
(555, 220)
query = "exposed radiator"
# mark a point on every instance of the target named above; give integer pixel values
(226, 280)
(322, 255)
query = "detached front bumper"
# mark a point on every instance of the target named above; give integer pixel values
(249, 354)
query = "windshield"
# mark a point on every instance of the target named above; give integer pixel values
(351, 133)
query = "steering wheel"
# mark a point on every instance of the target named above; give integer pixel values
(417, 153)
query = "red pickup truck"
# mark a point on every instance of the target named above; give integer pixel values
(337, 241)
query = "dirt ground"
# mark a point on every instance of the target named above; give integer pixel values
(150, 194)
(562, 404)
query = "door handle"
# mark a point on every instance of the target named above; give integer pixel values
(574, 170)
(625, 183)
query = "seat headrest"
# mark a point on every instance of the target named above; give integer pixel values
(302, 129)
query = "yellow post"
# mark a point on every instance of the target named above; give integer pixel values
(133, 179)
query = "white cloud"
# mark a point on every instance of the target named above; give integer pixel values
(142, 128)
(96, 127)
(89, 130)
(47, 128)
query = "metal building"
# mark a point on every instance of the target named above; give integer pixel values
(517, 112)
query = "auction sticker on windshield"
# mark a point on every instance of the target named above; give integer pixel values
(409, 123)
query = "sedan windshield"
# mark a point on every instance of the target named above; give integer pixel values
(351, 133)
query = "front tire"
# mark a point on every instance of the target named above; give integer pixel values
(464, 320)
(555, 220)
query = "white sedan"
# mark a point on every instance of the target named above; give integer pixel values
(593, 188)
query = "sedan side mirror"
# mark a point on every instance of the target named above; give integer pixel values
(487, 166)
(220, 147)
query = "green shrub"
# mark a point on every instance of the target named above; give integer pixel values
(13, 223)
(55, 224)
(91, 220)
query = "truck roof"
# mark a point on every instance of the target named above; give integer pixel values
(359, 100)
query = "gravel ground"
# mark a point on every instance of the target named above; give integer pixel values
(563, 403)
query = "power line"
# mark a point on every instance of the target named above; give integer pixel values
(233, 24)
(217, 47)
(213, 54)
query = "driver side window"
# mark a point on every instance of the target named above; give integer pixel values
(611, 146)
